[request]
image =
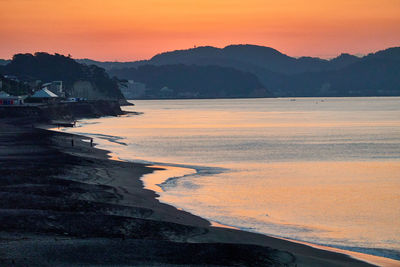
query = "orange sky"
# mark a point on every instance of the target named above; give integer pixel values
(138, 29)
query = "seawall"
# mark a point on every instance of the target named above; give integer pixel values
(67, 111)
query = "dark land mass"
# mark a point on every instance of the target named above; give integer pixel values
(32, 70)
(14, 87)
(66, 112)
(63, 203)
(376, 74)
(168, 81)
(4, 61)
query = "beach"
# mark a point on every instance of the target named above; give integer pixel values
(200, 133)
(71, 205)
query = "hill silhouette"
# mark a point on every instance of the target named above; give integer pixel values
(346, 75)
(233, 71)
(4, 61)
(46, 67)
(244, 57)
(237, 56)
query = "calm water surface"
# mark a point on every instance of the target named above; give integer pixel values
(326, 171)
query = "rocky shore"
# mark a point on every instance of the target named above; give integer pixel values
(64, 205)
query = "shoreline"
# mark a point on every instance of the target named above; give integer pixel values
(369, 258)
(166, 168)
(61, 200)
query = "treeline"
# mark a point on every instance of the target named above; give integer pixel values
(14, 87)
(46, 68)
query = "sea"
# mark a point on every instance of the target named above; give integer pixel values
(320, 170)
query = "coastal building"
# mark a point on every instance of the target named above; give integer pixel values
(43, 95)
(8, 100)
(4, 94)
(55, 87)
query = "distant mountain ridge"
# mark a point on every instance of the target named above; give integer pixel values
(346, 75)
(260, 71)
(245, 57)
(376, 74)
(233, 55)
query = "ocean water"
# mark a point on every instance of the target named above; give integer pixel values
(321, 170)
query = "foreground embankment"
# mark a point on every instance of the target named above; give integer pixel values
(63, 202)
(66, 111)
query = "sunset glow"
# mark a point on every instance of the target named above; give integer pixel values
(138, 29)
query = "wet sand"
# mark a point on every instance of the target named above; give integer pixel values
(64, 205)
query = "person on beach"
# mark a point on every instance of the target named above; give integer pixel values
(91, 142)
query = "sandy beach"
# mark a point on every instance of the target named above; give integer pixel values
(64, 205)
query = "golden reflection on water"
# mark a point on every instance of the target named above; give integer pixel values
(321, 196)
(338, 184)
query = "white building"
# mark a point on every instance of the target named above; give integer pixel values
(55, 87)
